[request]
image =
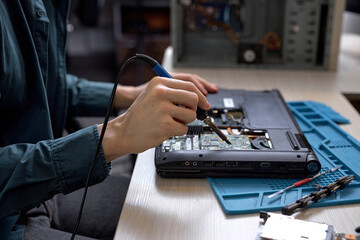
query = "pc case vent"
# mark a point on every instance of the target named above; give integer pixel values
(301, 32)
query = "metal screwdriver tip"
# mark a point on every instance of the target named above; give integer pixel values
(216, 130)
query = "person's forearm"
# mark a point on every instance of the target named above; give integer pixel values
(33, 173)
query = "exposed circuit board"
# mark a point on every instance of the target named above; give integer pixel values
(207, 140)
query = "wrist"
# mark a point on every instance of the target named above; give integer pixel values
(113, 146)
(124, 97)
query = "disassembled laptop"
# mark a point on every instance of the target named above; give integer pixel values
(265, 141)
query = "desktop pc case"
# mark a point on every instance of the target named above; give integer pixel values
(273, 34)
(266, 141)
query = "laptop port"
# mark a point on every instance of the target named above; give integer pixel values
(219, 164)
(231, 164)
(187, 163)
(244, 165)
(208, 164)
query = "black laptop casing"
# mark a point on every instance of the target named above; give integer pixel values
(266, 141)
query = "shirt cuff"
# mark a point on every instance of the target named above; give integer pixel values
(72, 156)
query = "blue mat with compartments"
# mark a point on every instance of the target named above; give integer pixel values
(332, 145)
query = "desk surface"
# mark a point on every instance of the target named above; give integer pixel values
(157, 208)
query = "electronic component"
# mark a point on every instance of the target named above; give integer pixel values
(208, 140)
(250, 53)
(214, 16)
(345, 236)
(272, 41)
(260, 143)
(277, 226)
(196, 145)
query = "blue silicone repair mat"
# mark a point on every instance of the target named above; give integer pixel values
(333, 147)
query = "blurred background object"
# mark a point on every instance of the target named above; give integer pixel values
(300, 34)
(351, 21)
(353, 6)
(90, 45)
(141, 26)
(291, 34)
(104, 33)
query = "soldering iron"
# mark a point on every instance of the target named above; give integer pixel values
(201, 114)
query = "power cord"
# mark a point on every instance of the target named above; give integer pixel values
(109, 109)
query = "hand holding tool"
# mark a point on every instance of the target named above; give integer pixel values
(201, 114)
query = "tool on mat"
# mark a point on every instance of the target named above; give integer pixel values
(201, 114)
(314, 197)
(277, 226)
(302, 182)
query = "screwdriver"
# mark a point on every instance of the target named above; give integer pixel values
(302, 182)
(201, 114)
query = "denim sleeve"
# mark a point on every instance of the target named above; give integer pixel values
(32, 173)
(87, 98)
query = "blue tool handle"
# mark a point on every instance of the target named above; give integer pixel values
(160, 71)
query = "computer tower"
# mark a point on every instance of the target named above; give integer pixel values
(290, 34)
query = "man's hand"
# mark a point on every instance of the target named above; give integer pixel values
(153, 117)
(126, 95)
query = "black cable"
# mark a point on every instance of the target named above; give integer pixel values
(109, 110)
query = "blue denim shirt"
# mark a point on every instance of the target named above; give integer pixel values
(36, 98)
